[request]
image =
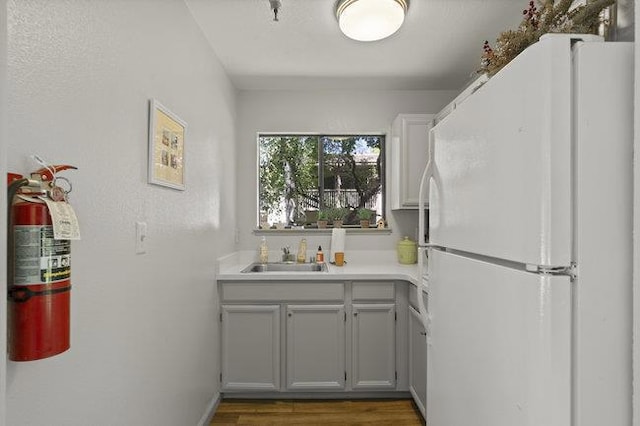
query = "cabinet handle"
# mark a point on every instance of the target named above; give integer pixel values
(290, 314)
(355, 314)
(423, 333)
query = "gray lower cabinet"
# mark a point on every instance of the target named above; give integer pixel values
(295, 336)
(315, 347)
(373, 363)
(250, 347)
(417, 360)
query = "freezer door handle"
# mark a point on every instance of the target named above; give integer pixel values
(424, 183)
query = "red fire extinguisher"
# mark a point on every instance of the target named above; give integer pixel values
(39, 268)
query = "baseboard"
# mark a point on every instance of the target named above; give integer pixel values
(318, 395)
(211, 410)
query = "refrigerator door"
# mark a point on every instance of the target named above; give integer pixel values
(603, 314)
(499, 346)
(502, 178)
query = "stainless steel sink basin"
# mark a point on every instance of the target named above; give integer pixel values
(285, 267)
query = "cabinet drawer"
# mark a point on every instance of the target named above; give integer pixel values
(373, 290)
(267, 291)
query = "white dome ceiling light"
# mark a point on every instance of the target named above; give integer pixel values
(275, 6)
(370, 20)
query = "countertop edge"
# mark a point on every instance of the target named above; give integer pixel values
(374, 266)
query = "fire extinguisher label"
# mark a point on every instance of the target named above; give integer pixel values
(40, 259)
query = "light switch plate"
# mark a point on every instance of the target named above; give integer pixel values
(141, 236)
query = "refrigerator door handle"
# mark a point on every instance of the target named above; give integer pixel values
(422, 310)
(435, 247)
(571, 271)
(426, 177)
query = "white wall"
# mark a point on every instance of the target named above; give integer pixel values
(321, 111)
(144, 345)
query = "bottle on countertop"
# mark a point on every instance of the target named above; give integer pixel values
(320, 255)
(302, 251)
(264, 251)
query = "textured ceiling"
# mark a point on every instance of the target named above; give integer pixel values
(438, 47)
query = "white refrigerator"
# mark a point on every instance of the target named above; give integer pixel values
(530, 243)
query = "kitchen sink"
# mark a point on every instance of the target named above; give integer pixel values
(285, 267)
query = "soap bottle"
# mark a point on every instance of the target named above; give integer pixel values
(302, 251)
(264, 251)
(320, 255)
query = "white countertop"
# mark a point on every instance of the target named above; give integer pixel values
(359, 265)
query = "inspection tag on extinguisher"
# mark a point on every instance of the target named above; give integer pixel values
(65, 221)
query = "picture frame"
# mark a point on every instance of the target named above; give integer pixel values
(166, 165)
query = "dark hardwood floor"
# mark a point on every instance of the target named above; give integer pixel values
(317, 412)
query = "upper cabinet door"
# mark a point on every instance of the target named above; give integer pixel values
(409, 149)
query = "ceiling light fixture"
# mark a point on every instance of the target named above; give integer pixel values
(370, 20)
(275, 6)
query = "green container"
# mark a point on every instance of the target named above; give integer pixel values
(407, 251)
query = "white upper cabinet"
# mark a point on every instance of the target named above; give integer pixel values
(408, 147)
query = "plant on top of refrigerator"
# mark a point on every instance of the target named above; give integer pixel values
(549, 16)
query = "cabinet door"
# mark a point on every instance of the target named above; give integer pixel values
(409, 155)
(251, 347)
(315, 347)
(417, 360)
(373, 363)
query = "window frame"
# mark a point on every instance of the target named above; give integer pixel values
(383, 186)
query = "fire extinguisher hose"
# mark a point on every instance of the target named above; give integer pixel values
(20, 294)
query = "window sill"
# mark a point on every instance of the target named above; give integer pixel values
(324, 231)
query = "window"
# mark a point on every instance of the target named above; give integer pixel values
(303, 176)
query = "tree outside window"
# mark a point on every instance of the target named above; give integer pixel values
(301, 175)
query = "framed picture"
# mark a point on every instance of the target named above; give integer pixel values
(166, 147)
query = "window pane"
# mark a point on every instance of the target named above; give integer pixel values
(300, 175)
(352, 173)
(288, 174)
